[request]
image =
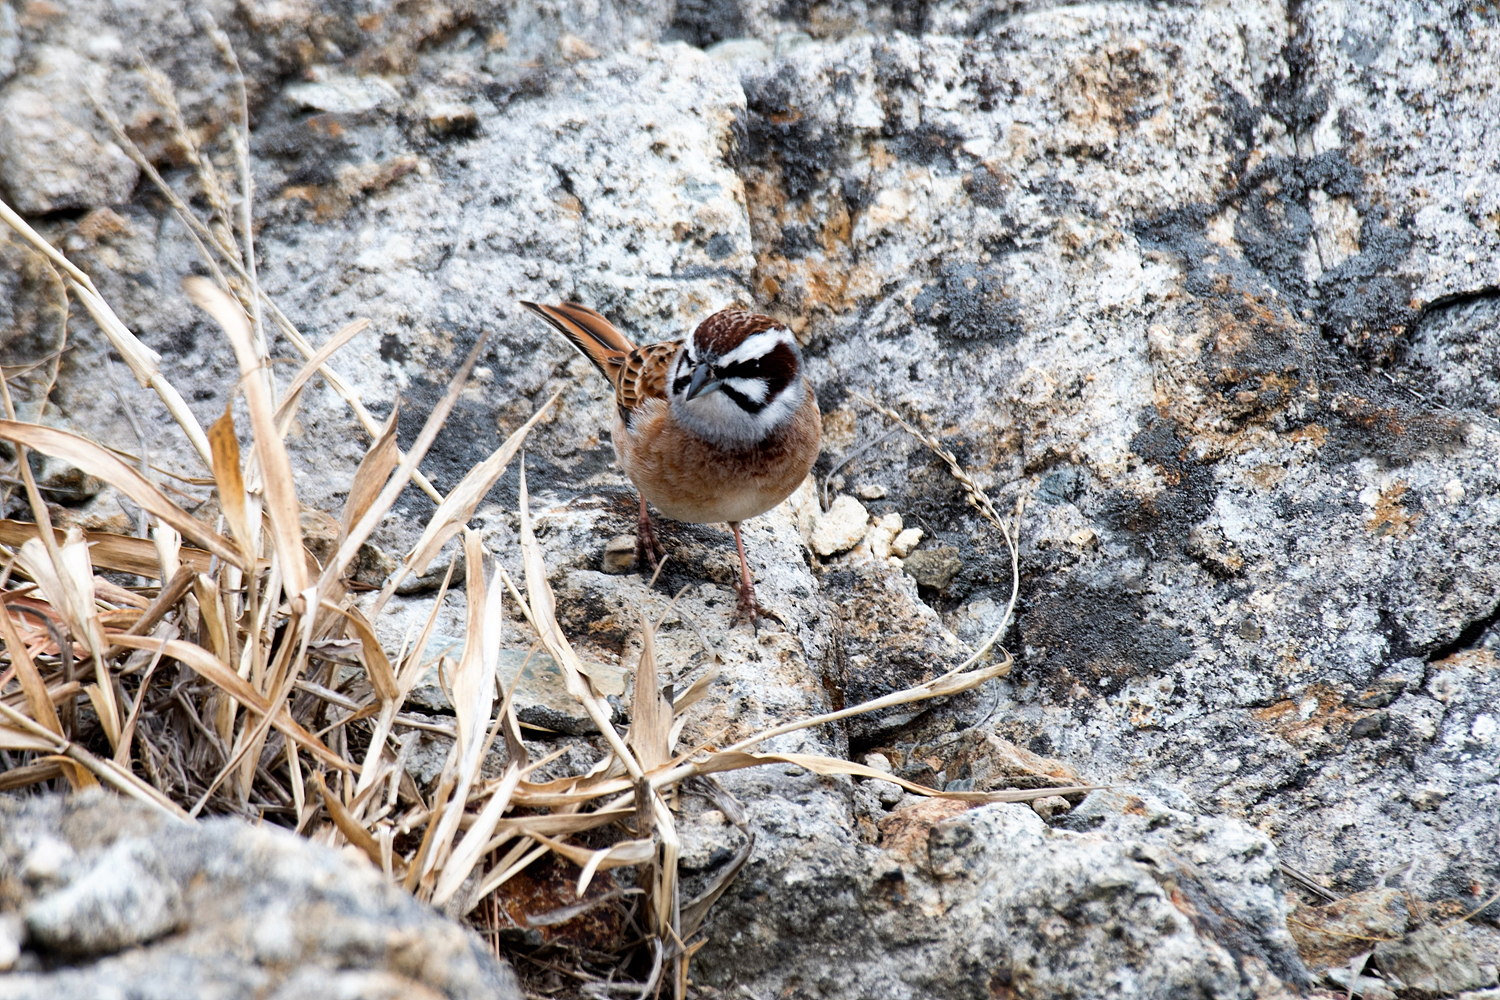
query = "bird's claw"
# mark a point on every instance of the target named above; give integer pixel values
(749, 610)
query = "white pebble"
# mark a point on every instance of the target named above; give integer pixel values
(905, 541)
(840, 528)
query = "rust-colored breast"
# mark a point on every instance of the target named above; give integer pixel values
(690, 479)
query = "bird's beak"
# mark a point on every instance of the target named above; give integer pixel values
(703, 382)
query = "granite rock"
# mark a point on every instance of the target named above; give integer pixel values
(115, 900)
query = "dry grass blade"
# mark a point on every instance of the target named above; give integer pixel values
(144, 363)
(476, 841)
(66, 578)
(956, 681)
(695, 911)
(543, 615)
(79, 778)
(218, 673)
(619, 855)
(981, 502)
(98, 461)
(26, 731)
(721, 761)
(211, 615)
(374, 469)
(28, 774)
(12, 738)
(231, 483)
(37, 699)
(287, 411)
(650, 714)
(554, 824)
(377, 665)
(473, 690)
(270, 452)
(456, 511)
(121, 553)
(347, 824)
(363, 528)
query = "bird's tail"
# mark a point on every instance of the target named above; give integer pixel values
(591, 333)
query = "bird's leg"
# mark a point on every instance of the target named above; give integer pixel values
(648, 551)
(749, 609)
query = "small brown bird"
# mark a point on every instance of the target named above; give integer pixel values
(719, 427)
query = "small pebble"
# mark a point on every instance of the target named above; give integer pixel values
(1050, 806)
(46, 860)
(883, 532)
(934, 568)
(887, 792)
(870, 491)
(619, 554)
(1428, 799)
(905, 541)
(878, 761)
(574, 48)
(840, 528)
(12, 936)
(451, 118)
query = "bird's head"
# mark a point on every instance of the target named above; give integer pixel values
(737, 379)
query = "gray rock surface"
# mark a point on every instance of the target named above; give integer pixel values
(1209, 289)
(959, 902)
(104, 898)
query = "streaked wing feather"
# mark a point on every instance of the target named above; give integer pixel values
(644, 374)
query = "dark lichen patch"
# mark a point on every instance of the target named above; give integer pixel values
(518, 83)
(986, 188)
(1164, 521)
(881, 648)
(1274, 223)
(592, 614)
(1360, 302)
(969, 301)
(1063, 485)
(927, 144)
(702, 23)
(1366, 302)
(1371, 420)
(1363, 302)
(1082, 642)
(1259, 358)
(780, 132)
(308, 148)
(1452, 358)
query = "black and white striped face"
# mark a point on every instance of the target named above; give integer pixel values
(737, 379)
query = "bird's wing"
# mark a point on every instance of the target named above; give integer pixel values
(637, 373)
(645, 373)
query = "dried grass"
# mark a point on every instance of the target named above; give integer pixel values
(242, 678)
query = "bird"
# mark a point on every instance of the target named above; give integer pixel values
(717, 427)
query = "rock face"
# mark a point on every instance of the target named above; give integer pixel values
(102, 897)
(1209, 291)
(961, 902)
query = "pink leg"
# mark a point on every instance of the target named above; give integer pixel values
(648, 551)
(748, 609)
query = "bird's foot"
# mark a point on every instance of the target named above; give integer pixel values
(649, 552)
(750, 611)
